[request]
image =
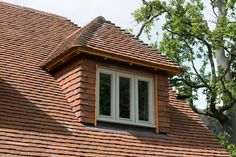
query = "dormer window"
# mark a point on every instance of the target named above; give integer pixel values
(124, 98)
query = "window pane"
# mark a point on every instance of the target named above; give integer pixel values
(143, 100)
(124, 97)
(105, 94)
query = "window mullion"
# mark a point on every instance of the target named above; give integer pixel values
(132, 99)
(117, 93)
(136, 100)
(113, 90)
(97, 92)
(150, 102)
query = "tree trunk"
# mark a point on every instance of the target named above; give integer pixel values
(232, 116)
(230, 126)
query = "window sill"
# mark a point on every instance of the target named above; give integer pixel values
(127, 129)
(126, 122)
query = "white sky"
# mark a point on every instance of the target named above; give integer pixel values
(82, 12)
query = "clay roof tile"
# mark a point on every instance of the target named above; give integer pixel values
(102, 35)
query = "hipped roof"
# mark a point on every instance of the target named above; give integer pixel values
(103, 38)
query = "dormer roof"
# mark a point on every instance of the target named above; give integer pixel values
(103, 38)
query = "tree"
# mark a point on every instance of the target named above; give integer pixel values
(205, 48)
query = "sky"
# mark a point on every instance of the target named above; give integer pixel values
(82, 12)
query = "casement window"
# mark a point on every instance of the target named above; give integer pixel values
(124, 98)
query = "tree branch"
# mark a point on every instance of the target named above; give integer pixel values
(145, 24)
(226, 107)
(210, 56)
(213, 70)
(213, 94)
(232, 58)
(151, 18)
(194, 68)
(210, 52)
(190, 84)
(202, 112)
(145, 3)
(150, 7)
(213, 7)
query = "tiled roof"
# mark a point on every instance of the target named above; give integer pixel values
(103, 35)
(36, 120)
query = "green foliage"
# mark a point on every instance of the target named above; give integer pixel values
(205, 48)
(223, 139)
(189, 40)
(130, 30)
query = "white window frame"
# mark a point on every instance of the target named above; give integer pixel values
(112, 73)
(134, 78)
(150, 100)
(132, 101)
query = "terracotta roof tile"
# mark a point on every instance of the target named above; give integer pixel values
(103, 35)
(36, 120)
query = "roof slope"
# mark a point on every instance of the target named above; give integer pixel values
(103, 35)
(36, 120)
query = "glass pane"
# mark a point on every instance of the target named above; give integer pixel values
(124, 97)
(105, 94)
(143, 100)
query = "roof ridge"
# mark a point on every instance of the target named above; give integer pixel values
(127, 33)
(134, 37)
(89, 29)
(38, 12)
(143, 43)
(82, 35)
